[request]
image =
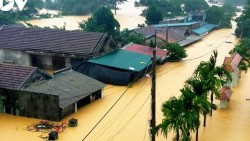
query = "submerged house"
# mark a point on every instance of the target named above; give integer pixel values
(119, 67)
(31, 92)
(161, 35)
(231, 65)
(50, 49)
(160, 53)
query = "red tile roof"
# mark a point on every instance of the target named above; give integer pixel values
(145, 50)
(235, 62)
(49, 40)
(231, 63)
(14, 76)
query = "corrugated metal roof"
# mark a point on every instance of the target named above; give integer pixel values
(123, 59)
(190, 39)
(70, 86)
(235, 62)
(145, 50)
(204, 29)
(174, 24)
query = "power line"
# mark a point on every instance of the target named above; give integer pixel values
(114, 103)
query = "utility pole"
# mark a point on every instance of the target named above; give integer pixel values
(153, 92)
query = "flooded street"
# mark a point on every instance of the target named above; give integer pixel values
(127, 15)
(129, 118)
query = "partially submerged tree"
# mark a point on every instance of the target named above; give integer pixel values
(176, 52)
(102, 21)
(153, 15)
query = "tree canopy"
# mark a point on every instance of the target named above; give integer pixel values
(176, 52)
(243, 22)
(153, 15)
(101, 21)
(195, 5)
(83, 7)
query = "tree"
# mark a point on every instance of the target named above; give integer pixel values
(214, 77)
(195, 85)
(214, 15)
(126, 38)
(176, 52)
(195, 5)
(153, 15)
(7, 18)
(243, 22)
(101, 21)
(31, 9)
(243, 50)
(177, 118)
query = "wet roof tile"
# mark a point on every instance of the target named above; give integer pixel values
(14, 76)
(49, 40)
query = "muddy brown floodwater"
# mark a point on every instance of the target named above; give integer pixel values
(129, 119)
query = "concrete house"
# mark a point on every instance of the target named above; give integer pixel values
(49, 48)
(30, 92)
(231, 64)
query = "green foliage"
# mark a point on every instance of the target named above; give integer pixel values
(178, 118)
(84, 7)
(167, 9)
(153, 15)
(214, 15)
(243, 22)
(195, 5)
(176, 52)
(220, 15)
(31, 9)
(101, 21)
(243, 49)
(7, 18)
(126, 38)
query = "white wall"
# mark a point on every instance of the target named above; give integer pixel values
(15, 56)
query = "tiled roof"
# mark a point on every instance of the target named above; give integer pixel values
(146, 31)
(173, 34)
(14, 76)
(231, 63)
(49, 40)
(69, 85)
(123, 59)
(235, 62)
(145, 50)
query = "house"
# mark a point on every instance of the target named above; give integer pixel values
(31, 92)
(231, 65)
(204, 29)
(196, 16)
(160, 53)
(50, 49)
(119, 67)
(163, 34)
(189, 26)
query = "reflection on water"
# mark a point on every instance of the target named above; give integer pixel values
(128, 16)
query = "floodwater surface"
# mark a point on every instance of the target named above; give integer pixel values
(128, 16)
(129, 118)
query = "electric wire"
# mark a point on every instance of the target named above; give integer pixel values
(123, 109)
(114, 104)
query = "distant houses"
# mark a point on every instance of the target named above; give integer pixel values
(31, 92)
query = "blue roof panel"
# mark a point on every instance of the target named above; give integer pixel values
(205, 28)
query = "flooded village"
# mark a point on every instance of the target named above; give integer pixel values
(103, 93)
